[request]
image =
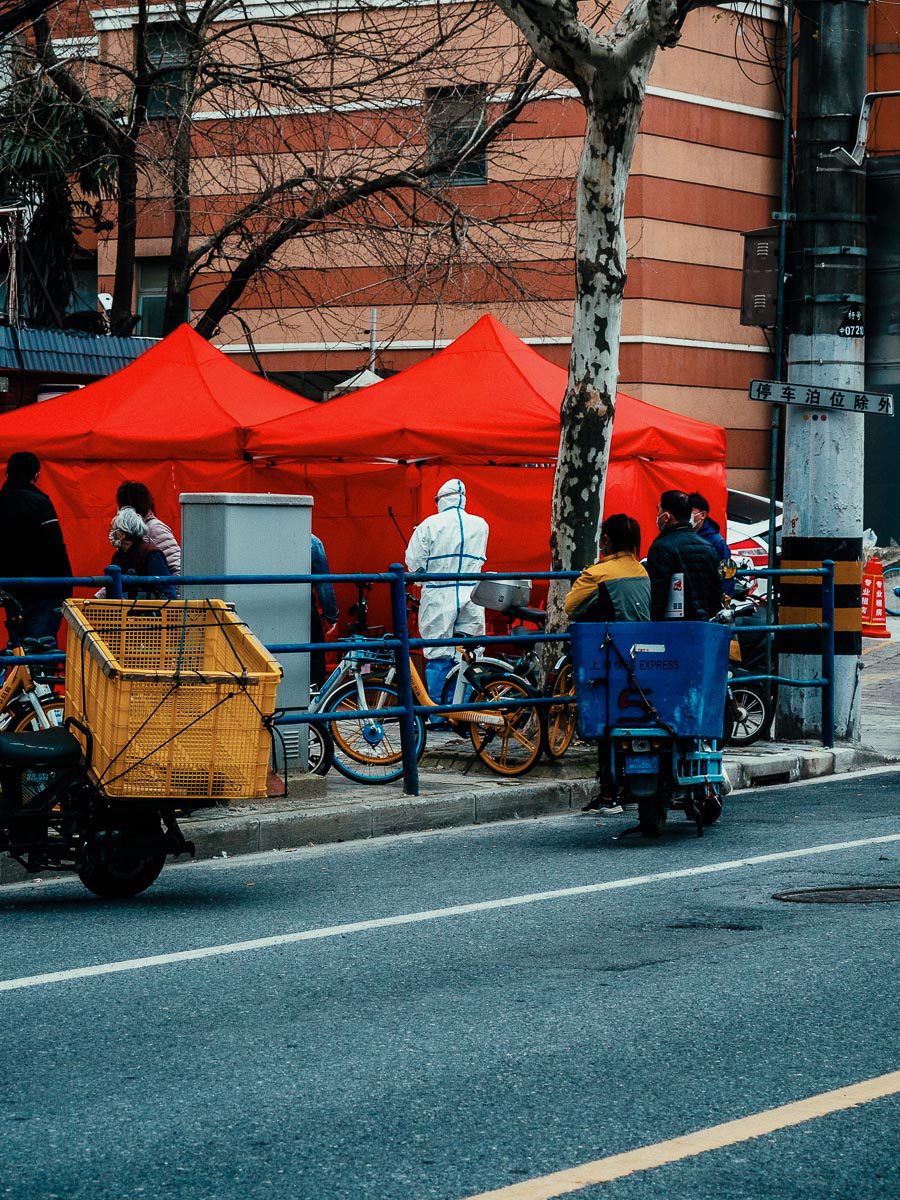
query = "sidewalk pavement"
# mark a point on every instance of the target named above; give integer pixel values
(456, 789)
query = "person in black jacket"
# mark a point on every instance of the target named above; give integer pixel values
(31, 544)
(683, 567)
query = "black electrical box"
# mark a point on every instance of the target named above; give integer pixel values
(759, 286)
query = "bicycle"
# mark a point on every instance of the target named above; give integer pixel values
(508, 741)
(27, 703)
(561, 720)
(368, 749)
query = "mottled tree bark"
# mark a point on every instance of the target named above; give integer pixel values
(590, 400)
(610, 71)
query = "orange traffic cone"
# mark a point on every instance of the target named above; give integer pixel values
(874, 620)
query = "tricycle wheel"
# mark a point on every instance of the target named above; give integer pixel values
(711, 806)
(651, 815)
(126, 876)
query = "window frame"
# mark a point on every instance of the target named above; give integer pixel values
(473, 172)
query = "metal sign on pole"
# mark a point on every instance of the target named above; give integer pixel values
(814, 395)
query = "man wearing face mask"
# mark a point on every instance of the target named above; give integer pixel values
(450, 540)
(709, 529)
(683, 567)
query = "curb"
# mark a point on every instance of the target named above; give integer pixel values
(322, 824)
(313, 822)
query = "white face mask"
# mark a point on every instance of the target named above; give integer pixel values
(662, 520)
(697, 519)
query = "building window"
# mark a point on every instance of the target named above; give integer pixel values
(152, 282)
(455, 115)
(84, 295)
(168, 45)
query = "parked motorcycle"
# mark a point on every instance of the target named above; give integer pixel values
(749, 707)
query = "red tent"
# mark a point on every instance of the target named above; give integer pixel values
(182, 399)
(486, 408)
(175, 418)
(182, 417)
(487, 397)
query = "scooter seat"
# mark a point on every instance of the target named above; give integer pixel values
(49, 747)
(41, 645)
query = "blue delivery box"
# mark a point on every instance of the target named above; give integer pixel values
(632, 673)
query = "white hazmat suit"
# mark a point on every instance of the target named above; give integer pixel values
(452, 540)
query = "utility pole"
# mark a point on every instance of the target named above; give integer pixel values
(823, 476)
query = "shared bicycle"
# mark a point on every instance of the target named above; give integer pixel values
(367, 748)
(29, 700)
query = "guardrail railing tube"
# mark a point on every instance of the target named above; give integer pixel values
(114, 587)
(404, 680)
(828, 653)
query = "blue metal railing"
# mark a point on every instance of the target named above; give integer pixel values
(402, 644)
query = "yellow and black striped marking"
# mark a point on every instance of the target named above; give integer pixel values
(801, 597)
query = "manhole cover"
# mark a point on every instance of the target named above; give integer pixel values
(874, 894)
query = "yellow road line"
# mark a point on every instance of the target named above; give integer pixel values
(617, 1166)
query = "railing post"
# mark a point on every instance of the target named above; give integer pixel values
(114, 587)
(828, 654)
(404, 680)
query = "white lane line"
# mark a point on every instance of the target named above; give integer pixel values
(435, 914)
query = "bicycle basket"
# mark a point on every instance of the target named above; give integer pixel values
(376, 657)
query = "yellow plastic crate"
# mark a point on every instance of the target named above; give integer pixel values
(175, 694)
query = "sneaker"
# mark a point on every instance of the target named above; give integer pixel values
(601, 804)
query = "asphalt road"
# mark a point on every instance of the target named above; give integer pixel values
(449, 1054)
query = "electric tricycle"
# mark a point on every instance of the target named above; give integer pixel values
(53, 816)
(653, 693)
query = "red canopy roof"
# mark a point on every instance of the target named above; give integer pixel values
(182, 399)
(487, 397)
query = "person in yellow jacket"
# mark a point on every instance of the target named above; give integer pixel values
(617, 588)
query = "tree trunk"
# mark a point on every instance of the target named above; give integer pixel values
(121, 317)
(589, 404)
(179, 281)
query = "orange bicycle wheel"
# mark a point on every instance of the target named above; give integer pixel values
(513, 747)
(562, 719)
(28, 721)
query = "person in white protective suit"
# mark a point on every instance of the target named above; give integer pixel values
(451, 540)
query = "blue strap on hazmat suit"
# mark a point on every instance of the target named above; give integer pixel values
(451, 540)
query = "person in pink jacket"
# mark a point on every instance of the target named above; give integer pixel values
(137, 496)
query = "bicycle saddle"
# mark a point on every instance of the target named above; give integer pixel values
(537, 616)
(50, 748)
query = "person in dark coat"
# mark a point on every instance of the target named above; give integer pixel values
(136, 554)
(31, 544)
(711, 530)
(683, 567)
